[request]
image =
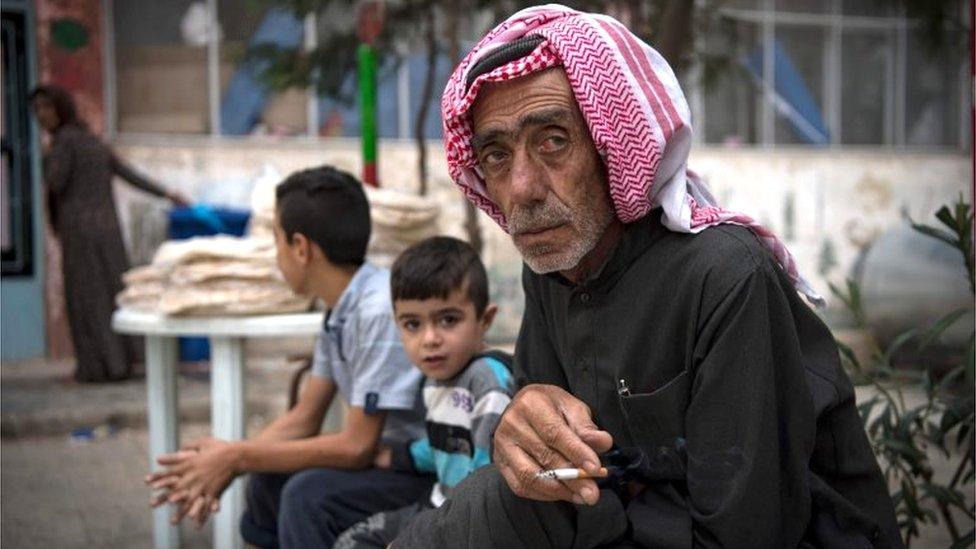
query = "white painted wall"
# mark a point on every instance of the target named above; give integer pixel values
(841, 199)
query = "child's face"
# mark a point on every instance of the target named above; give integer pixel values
(441, 335)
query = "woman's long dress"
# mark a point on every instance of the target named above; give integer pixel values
(78, 172)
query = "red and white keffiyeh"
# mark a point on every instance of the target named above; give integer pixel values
(634, 108)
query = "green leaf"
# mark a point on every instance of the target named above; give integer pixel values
(895, 346)
(848, 354)
(908, 451)
(943, 494)
(941, 325)
(949, 239)
(945, 216)
(865, 408)
(950, 378)
(882, 421)
(851, 299)
(965, 541)
(964, 430)
(909, 376)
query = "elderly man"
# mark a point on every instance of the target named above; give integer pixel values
(655, 321)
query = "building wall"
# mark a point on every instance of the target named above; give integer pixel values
(71, 61)
(70, 37)
(22, 298)
(828, 205)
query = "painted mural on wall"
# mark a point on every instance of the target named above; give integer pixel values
(69, 38)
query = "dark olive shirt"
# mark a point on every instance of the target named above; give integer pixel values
(78, 172)
(697, 349)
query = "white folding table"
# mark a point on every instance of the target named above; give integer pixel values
(227, 400)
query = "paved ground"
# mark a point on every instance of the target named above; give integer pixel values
(59, 493)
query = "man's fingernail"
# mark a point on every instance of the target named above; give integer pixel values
(590, 466)
(578, 499)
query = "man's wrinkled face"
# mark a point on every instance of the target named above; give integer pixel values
(541, 168)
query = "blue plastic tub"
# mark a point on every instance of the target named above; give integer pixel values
(202, 220)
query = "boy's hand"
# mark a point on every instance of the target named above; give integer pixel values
(384, 457)
(194, 477)
(546, 427)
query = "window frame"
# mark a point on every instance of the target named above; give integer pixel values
(110, 75)
(834, 23)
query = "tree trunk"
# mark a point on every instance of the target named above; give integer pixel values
(425, 99)
(676, 34)
(471, 226)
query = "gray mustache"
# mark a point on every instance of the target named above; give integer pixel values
(537, 217)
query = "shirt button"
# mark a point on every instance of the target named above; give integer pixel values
(585, 297)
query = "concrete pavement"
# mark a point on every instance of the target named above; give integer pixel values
(59, 492)
(55, 492)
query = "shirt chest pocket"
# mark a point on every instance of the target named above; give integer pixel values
(656, 421)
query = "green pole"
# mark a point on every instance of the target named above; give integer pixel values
(367, 110)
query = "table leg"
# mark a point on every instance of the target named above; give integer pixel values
(227, 417)
(163, 424)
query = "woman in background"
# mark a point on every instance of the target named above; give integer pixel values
(78, 171)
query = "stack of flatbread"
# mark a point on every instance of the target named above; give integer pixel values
(223, 275)
(399, 220)
(207, 276)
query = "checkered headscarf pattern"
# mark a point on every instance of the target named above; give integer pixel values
(633, 106)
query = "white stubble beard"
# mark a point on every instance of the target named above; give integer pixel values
(587, 225)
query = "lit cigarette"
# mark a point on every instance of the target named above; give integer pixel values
(569, 474)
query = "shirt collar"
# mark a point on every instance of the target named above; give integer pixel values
(634, 241)
(350, 296)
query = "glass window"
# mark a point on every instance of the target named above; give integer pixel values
(865, 67)
(743, 4)
(15, 166)
(804, 6)
(799, 67)
(246, 105)
(731, 95)
(932, 96)
(834, 62)
(867, 8)
(161, 66)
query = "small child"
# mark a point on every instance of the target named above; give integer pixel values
(440, 303)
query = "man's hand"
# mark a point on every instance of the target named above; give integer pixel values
(178, 198)
(194, 477)
(545, 427)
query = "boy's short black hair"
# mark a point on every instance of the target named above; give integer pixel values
(435, 267)
(329, 207)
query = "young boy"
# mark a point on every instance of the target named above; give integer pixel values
(440, 297)
(308, 487)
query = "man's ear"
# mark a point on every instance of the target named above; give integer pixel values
(302, 247)
(488, 317)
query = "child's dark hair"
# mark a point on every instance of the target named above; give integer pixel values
(437, 266)
(329, 207)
